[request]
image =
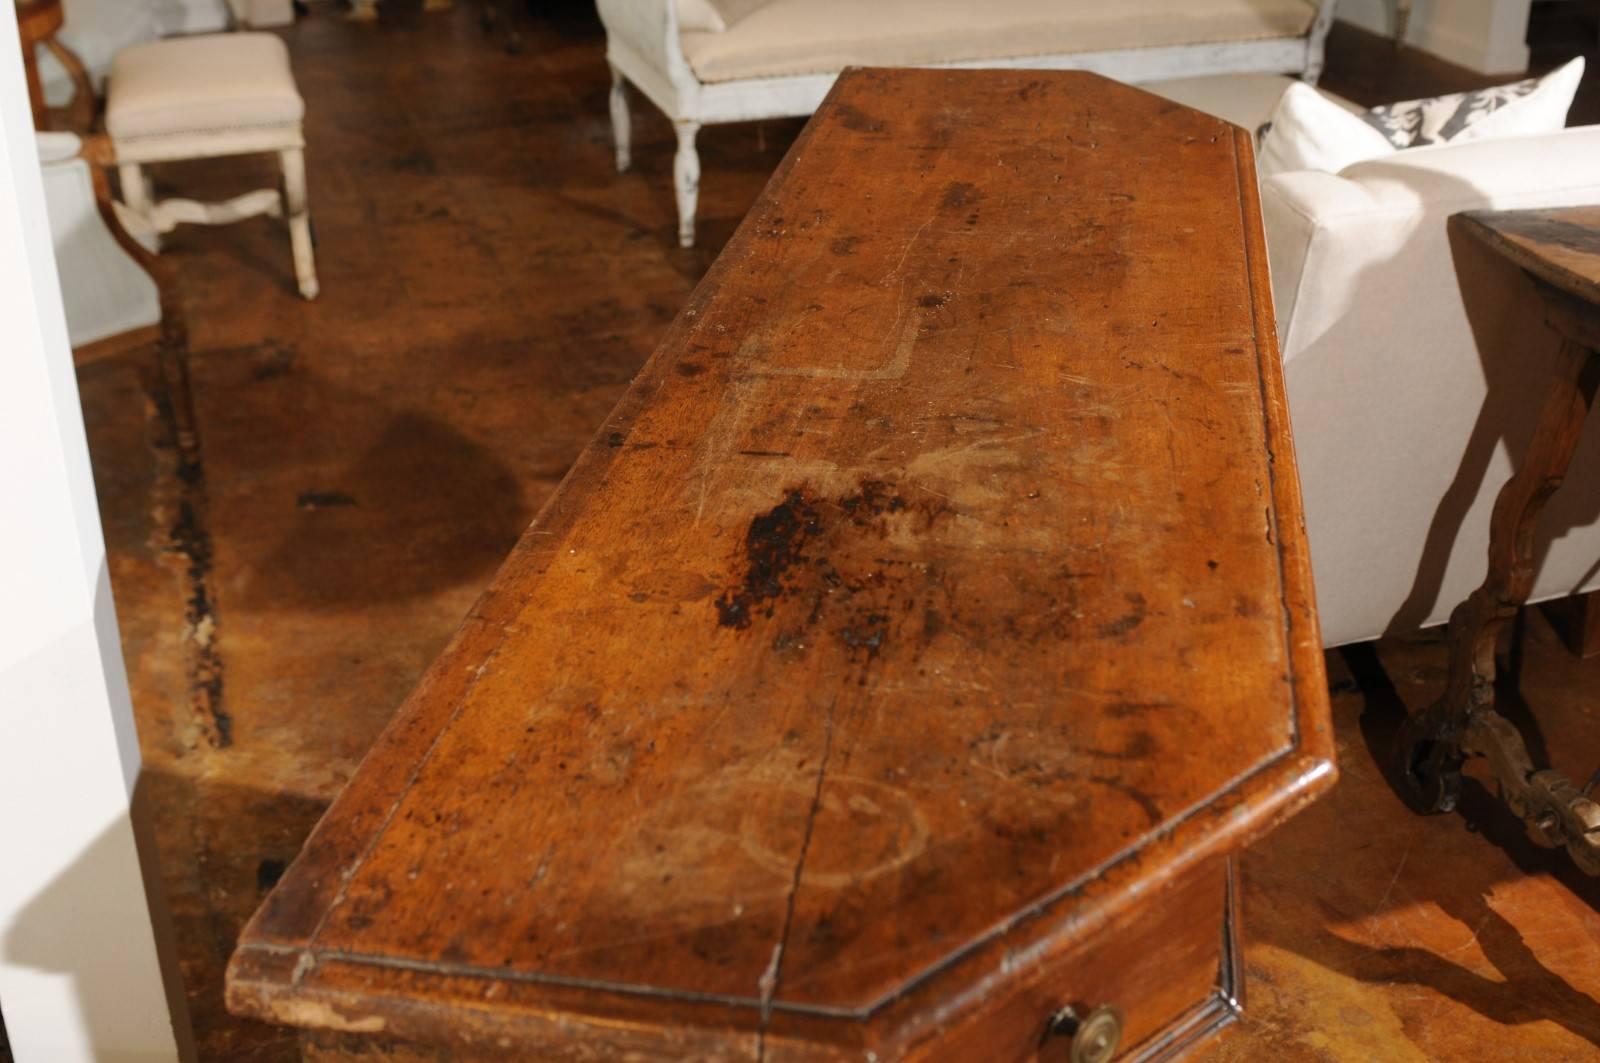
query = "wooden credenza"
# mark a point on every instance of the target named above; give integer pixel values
(899, 669)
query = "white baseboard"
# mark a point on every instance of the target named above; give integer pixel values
(1484, 56)
(1482, 35)
(192, 16)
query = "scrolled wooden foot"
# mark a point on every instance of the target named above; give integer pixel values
(1427, 763)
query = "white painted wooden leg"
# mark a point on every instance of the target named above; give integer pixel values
(294, 194)
(136, 197)
(686, 178)
(621, 123)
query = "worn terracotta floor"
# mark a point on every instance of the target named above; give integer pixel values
(490, 285)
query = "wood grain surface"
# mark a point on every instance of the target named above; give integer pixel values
(1559, 246)
(936, 596)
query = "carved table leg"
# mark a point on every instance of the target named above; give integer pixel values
(1463, 723)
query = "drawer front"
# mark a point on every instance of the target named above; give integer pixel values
(1170, 967)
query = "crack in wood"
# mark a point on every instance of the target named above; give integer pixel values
(768, 984)
(188, 536)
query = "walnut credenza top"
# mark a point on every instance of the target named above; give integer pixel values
(937, 592)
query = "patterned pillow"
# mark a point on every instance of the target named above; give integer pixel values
(1415, 123)
(1310, 131)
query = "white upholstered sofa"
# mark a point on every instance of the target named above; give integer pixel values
(1415, 369)
(780, 59)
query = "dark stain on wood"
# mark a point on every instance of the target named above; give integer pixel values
(774, 542)
(959, 194)
(324, 500)
(1127, 622)
(858, 121)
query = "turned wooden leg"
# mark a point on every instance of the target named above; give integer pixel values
(1463, 722)
(136, 195)
(621, 122)
(294, 194)
(686, 179)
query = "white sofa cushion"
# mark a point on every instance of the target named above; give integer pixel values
(220, 81)
(1406, 408)
(788, 37)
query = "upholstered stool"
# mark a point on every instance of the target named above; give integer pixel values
(201, 97)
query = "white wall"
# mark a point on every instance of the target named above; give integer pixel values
(1482, 35)
(96, 30)
(195, 16)
(80, 972)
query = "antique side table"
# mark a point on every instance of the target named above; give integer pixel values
(1559, 251)
(901, 668)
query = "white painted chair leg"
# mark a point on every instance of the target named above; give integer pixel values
(136, 197)
(621, 123)
(294, 194)
(686, 179)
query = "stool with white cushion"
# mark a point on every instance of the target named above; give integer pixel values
(205, 96)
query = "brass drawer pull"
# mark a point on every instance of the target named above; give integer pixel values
(1095, 1036)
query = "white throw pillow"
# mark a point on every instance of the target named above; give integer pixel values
(1308, 131)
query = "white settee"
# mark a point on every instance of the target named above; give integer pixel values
(781, 58)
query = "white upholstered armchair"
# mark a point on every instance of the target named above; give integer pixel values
(780, 58)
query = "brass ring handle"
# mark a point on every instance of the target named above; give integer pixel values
(1095, 1035)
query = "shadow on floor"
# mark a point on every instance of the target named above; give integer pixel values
(1527, 991)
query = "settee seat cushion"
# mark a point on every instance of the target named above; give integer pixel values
(200, 84)
(791, 37)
